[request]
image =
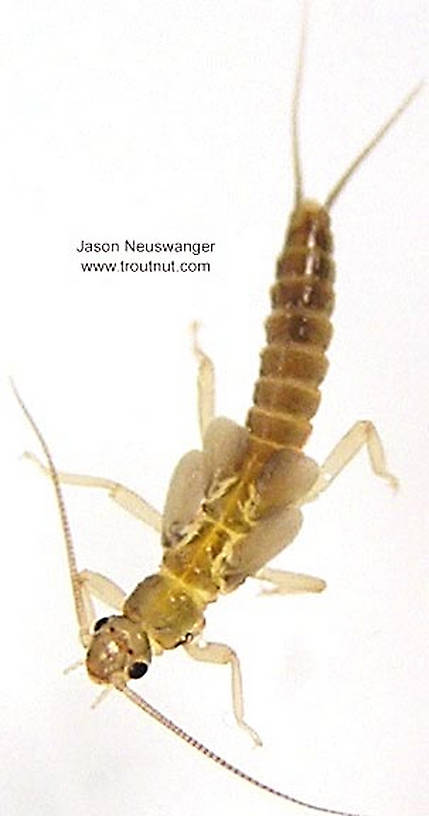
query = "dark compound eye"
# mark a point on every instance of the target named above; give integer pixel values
(137, 670)
(99, 624)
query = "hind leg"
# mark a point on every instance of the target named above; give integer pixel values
(205, 383)
(360, 434)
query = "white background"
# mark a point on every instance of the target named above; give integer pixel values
(170, 121)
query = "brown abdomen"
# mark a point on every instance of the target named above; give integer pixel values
(298, 330)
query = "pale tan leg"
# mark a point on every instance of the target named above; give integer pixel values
(361, 433)
(220, 653)
(286, 583)
(129, 500)
(205, 383)
(97, 585)
(103, 588)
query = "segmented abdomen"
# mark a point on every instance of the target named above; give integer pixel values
(298, 331)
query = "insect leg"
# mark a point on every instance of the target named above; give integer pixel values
(361, 433)
(285, 583)
(221, 653)
(124, 496)
(93, 584)
(103, 588)
(205, 383)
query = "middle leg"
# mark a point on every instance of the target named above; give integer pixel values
(287, 583)
(124, 496)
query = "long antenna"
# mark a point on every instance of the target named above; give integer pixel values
(71, 557)
(179, 732)
(135, 698)
(333, 195)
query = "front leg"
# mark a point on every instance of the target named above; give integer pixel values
(93, 584)
(221, 653)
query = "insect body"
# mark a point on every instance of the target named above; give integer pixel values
(234, 505)
(231, 508)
